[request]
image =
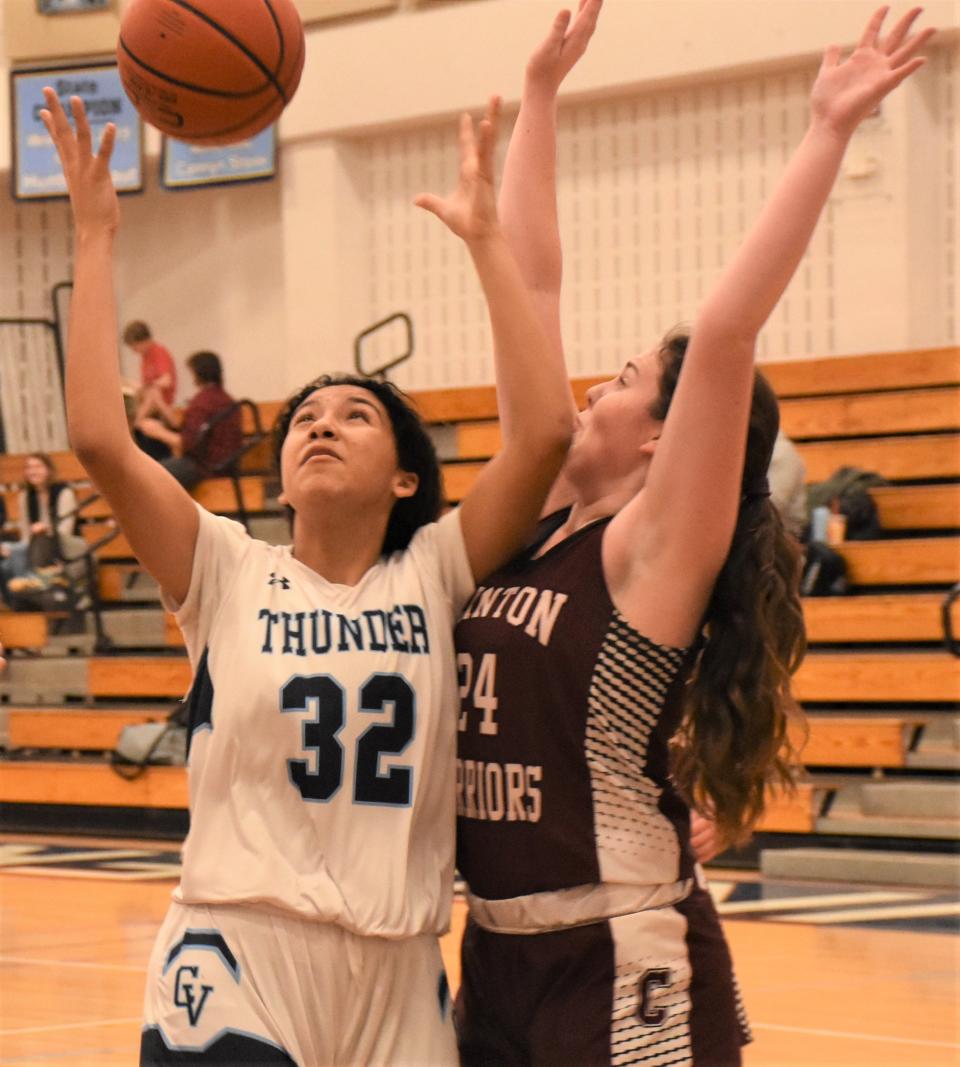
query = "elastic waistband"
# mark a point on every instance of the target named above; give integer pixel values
(537, 913)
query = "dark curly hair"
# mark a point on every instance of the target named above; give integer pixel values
(415, 453)
(733, 741)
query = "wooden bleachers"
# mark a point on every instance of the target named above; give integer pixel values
(75, 783)
(23, 629)
(75, 728)
(876, 682)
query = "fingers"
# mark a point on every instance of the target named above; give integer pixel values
(904, 72)
(61, 125)
(431, 203)
(68, 143)
(82, 126)
(871, 33)
(559, 28)
(896, 36)
(911, 47)
(487, 139)
(55, 120)
(588, 14)
(831, 57)
(583, 27)
(107, 143)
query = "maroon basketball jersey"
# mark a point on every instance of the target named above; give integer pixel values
(566, 715)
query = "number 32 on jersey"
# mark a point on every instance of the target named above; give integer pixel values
(324, 696)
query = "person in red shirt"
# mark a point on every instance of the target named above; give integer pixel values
(157, 370)
(197, 455)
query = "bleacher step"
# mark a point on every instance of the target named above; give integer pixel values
(862, 865)
(889, 826)
(938, 747)
(43, 680)
(75, 728)
(891, 808)
(912, 800)
(130, 628)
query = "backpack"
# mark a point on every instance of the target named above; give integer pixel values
(848, 487)
(151, 744)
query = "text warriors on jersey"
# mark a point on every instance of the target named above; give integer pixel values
(496, 791)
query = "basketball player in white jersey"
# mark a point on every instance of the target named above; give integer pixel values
(317, 874)
(660, 602)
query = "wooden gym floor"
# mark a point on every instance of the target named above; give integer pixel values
(74, 946)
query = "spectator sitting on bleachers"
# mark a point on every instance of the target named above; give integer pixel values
(46, 511)
(158, 383)
(787, 477)
(196, 454)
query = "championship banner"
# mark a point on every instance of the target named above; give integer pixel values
(36, 169)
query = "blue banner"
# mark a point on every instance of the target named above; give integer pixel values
(186, 165)
(71, 7)
(36, 171)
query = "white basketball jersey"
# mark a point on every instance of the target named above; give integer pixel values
(323, 721)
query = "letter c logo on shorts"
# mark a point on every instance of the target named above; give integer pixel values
(185, 993)
(653, 980)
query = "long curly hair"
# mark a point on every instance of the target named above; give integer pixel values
(733, 741)
(415, 452)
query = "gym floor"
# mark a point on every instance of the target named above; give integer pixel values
(832, 974)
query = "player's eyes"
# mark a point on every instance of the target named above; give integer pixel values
(304, 416)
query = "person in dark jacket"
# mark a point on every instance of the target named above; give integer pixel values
(197, 456)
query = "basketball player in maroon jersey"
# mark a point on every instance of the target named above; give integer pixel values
(658, 608)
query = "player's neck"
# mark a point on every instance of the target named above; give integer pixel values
(340, 551)
(598, 499)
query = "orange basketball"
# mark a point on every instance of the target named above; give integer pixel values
(210, 71)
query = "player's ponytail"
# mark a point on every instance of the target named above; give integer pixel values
(733, 743)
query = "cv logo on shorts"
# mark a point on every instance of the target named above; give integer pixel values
(217, 961)
(185, 993)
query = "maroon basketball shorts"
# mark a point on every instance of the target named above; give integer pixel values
(653, 987)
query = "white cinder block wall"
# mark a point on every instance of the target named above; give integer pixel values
(672, 130)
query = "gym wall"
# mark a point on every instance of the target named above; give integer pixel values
(671, 132)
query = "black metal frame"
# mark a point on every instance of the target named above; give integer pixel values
(229, 468)
(381, 372)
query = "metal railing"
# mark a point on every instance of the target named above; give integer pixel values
(364, 336)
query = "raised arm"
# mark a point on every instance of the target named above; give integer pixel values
(156, 514)
(532, 393)
(528, 190)
(680, 526)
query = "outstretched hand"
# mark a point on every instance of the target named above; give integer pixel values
(470, 211)
(847, 91)
(92, 195)
(555, 57)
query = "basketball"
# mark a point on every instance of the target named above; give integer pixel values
(211, 72)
